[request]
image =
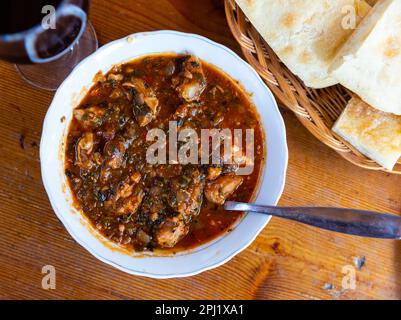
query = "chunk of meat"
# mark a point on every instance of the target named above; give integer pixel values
(187, 110)
(170, 231)
(135, 177)
(219, 190)
(130, 204)
(145, 102)
(171, 203)
(143, 237)
(124, 191)
(182, 111)
(84, 149)
(115, 77)
(126, 188)
(143, 114)
(189, 201)
(230, 162)
(191, 90)
(186, 193)
(185, 201)
(213, 173)
(114, 151)
(152, 103)
(90, 117)
(191, 81)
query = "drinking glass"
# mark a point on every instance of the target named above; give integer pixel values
(46, 38)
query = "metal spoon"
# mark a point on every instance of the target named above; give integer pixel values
(350, 221)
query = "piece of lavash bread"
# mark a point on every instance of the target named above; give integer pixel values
(305, 34)
(369, 63)
(374, 133)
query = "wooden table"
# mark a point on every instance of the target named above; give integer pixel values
(287, 261)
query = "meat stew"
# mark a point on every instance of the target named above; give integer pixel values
(145, 206)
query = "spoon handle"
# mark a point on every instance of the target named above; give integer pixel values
(350, 221)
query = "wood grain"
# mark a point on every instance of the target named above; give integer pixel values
(287, 261)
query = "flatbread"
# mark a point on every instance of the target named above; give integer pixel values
(305, 34)
(374, 133)
(369, 63)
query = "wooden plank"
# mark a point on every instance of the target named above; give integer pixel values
(287, 261)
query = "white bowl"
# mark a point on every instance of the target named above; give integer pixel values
(59, 116)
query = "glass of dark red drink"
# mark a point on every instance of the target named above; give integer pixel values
(45, 38)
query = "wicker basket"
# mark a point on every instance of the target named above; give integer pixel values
(317, 109)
